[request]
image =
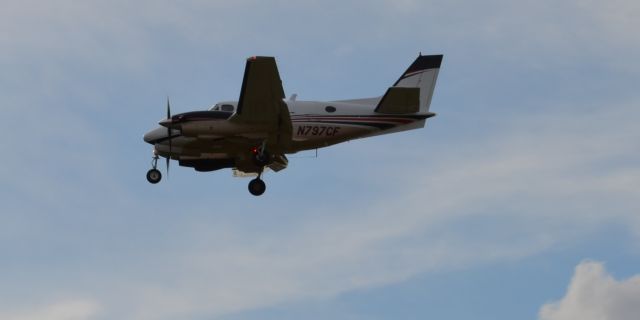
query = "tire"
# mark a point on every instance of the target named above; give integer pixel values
(154, 176)
(257, 187)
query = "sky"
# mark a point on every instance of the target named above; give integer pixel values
(519, 200)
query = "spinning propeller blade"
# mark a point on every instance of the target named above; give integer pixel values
(168, 166)
(168, 109)
(169, 135)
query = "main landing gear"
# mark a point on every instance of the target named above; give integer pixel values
(154, 176)
(261, 158)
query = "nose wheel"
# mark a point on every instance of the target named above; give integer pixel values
(154, 176)
(257, 186)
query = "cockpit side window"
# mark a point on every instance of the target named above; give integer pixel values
(223, 107)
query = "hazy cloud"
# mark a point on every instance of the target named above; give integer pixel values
(63, 310)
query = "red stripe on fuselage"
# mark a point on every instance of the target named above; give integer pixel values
(353, 118)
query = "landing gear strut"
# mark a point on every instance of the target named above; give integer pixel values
(154, 176)
(260, 155)
(261, 158)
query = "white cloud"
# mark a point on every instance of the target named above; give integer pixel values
(593, 294)
(64, 310)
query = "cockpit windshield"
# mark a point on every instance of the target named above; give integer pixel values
(226, 107)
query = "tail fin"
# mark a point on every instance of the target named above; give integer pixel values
(421, 74)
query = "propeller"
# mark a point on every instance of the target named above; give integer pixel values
(168, 159)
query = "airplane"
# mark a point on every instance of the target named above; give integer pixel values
(262, 127)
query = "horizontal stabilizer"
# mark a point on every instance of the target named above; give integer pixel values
(400, 100)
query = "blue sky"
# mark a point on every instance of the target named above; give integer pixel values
(519, 200)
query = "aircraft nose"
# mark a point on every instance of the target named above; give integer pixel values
(154, 135)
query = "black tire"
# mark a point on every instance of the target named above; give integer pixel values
(154, 176)
(257, 187)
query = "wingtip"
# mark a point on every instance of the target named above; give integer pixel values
(256, 58)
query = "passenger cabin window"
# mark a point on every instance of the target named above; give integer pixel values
(330, 109)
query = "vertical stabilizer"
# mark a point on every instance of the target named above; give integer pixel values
(422, 74)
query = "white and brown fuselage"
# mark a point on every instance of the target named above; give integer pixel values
(229, 134)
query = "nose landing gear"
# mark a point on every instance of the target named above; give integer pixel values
(154, 176)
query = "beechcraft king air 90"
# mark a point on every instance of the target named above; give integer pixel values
(258, 130)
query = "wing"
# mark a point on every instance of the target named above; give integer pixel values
(261, 101)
